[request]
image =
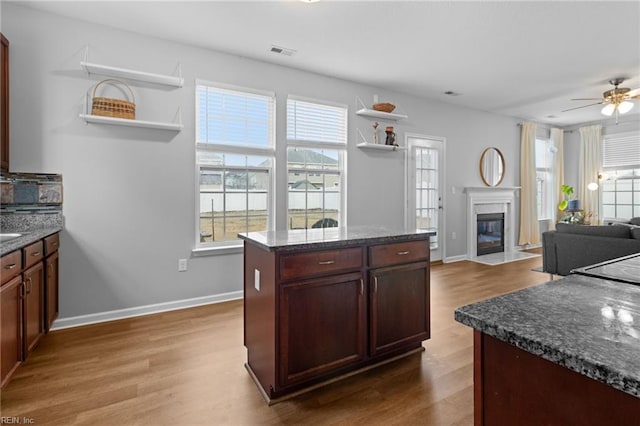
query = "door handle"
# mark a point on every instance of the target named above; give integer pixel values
(375, 284)
(326, 262)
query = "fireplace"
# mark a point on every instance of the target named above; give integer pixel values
(490, 233)
(490, 200)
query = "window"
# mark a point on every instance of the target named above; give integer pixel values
(620, 187)
(234, 159)
(544, 179)
(316, 155)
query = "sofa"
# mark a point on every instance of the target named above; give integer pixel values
(575, 246)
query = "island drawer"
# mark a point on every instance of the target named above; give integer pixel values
(51, 244)
(11, 265)
(33, 254)
(396, 253)
(322, 262)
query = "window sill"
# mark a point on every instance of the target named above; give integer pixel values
(217, 251)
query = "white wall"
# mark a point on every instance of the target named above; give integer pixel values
(129, 193)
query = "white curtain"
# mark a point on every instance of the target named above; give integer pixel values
(589, 167)
(529, 230)
(557, 144)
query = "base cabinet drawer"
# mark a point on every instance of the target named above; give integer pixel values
(11, 265)
(397, 253)
(322, 262)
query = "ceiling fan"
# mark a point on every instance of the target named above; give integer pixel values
(616, 100)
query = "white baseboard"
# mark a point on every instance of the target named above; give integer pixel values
(137, 311)
(455, 258)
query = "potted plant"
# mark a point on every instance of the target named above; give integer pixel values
(569, 203)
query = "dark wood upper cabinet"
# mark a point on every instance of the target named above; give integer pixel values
(4, 104)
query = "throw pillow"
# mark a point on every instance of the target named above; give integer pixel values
(635, 221)
(596, 231)
(635, 233)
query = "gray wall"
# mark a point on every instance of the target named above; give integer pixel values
(129, 193)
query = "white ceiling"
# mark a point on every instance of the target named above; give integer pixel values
(524, 59)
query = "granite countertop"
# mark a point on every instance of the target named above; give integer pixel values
(290, 240)
(27, 238)
(589, 325)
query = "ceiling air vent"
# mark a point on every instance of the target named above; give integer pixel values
(282, 50)
(451, 93)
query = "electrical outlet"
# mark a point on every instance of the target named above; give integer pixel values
(256, 279)
(182, 265)
(453, 235)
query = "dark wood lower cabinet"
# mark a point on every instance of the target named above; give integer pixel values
(515, 387)
(11, 322)
(321, 326)
(28, 301)
(51, 290)
(312, 315)
(33, 306)
(399, 306)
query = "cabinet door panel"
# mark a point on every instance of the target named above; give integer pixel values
(11, 328)
(399, 306)
(33, 306)
(51, 290)
(321, 326)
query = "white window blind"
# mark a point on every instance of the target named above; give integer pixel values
(621, 151)
(234, 117)
(309, 121)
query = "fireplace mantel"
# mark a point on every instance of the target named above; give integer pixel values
(490, 199)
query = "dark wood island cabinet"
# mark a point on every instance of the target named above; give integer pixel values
(321, 304)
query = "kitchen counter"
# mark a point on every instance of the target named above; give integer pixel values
(34, 227)
(293, 240)
(324, 304)
(586, 324)
(27, 238)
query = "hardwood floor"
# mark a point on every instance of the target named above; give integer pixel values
(186, 367)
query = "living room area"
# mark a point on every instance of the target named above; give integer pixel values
(504, 134)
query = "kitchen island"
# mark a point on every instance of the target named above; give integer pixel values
(323, 304)
(563, 353)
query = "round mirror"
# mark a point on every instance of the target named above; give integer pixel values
(492, 166)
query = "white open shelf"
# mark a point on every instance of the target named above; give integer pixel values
(106, 70)
(378, 146)
(148, 77)
(98, 119)
(379, 115)
(388, 116)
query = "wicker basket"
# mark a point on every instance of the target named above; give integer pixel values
(384, 107)
(110, 107)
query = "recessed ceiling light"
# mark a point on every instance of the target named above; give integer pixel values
(282, 50)
(451, 93)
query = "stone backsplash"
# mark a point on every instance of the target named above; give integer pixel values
(30, 193)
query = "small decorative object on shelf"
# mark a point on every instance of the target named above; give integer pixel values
(110, 107)
(375, 132)
(384, 107)
(391, 136)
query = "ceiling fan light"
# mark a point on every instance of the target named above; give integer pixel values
(625, 107)
(608, 109)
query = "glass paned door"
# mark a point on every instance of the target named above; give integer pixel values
(424, 201)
